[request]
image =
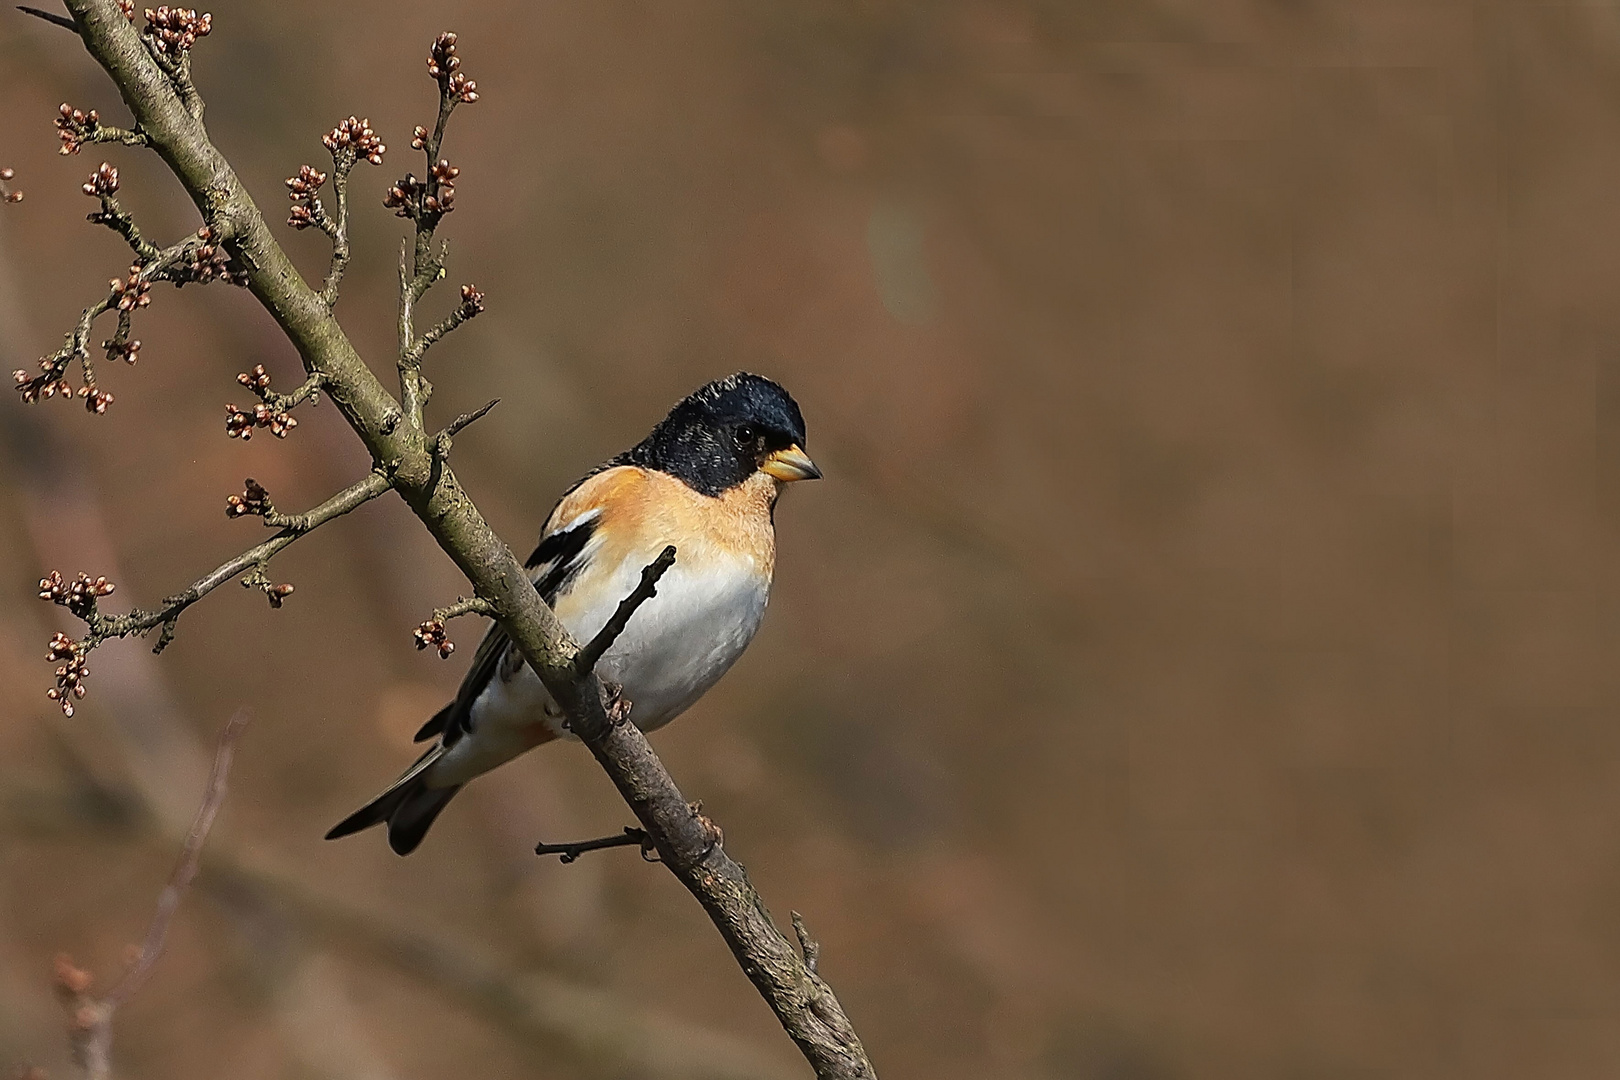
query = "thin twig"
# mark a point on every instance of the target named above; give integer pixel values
(421, 267)
(442, 441)
(92, 1017)
(631, 836)
(467, 418)
(186, 869)
(50, 17)
(100, 627)
(471, 306)
(122, 222)
(124, 296)
(471, 605)
(338, 231)
(309, 389)
(586, 659)
(432, 634)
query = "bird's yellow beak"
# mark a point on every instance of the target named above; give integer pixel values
(790, 465)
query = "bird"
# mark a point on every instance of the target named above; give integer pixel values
(706, 481)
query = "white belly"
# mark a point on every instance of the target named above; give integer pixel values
(675, 647)
(680, 642)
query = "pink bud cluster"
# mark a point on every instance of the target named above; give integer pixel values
(443, 65)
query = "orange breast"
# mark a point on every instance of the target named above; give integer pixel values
(641, 511)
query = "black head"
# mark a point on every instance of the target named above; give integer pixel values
(725, 432)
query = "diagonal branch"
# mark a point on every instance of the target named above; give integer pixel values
(255, 558)
(197, 258)
(49, 16)
(92, 1017)
(80, 597)
(103, 185)
(687, 844)
(586, 659)
(186, 869)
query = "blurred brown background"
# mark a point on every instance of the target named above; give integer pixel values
(1196, 663)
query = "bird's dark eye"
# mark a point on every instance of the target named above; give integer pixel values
(744, 436)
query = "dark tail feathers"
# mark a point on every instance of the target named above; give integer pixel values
(434, 726)
(408, 807)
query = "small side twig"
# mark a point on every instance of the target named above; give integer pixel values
(103, 185)
(425, 202)
(80, 596)
(467, 418)
(169, 34)
(586, 659)
(631, 836)
(274, 410)
(470, 605)
(91, 1016)
(442, 441)
(432, 633)
(50, 17)
(807, 944)
(351, 142)
(198, 258)
(76, 128)
(471, 306)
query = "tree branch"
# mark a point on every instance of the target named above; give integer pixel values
(92, 1017)
(76, 128)
(432, 634)
(50, 17)
(185, 871)
(80, 596)
(471, 306)
(686, 842)
(103, 185)
(631, 836)
(255, 558)
(197, 258)
(586, 659)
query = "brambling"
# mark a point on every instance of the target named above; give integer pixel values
(705, 480)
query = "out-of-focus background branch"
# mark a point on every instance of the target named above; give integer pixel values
(1215, 403)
